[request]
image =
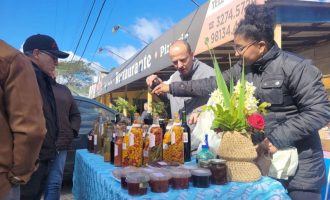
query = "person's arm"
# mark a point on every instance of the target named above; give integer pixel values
(314, 108)
(25, 114)
(203, 87)
(75, 118)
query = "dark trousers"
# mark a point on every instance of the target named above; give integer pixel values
(301, 194)
(35, 188)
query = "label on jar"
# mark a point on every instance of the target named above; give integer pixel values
(185, 137)
(172, 138)
(124, 146)
(116, 150)
(165, 146)
(145, 153)
(131, 139)
(95, 139)
(143, 185)
(152, 140)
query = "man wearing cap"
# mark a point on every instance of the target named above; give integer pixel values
(43, 52)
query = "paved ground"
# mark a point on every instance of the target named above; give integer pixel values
(66, 193)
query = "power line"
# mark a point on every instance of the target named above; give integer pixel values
(195, 3)
(90, 35)
(82, 33)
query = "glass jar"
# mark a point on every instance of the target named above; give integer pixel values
(219, 171)
(137, 183)
(124, 173)
(201, 177)
(159, 181)
(204, 164)
(180, 178)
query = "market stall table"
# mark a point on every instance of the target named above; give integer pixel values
(326, 188)
(92, 179)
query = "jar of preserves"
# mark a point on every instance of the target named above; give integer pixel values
(201, 177)
(180, 178)
(135, 148)
(219, 171)
(124, 173)
(137, 183)
(159, 181)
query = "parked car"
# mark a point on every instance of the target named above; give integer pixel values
(89, 110)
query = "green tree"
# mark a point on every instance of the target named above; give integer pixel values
(76, 75)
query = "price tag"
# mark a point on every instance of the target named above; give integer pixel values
(95, 139)
(145, 153)
(124, 146)
(185, 137)
(116, 150)
(173, 138)
(131, 139)
(152, 139)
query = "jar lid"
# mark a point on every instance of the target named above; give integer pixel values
(201, 172)
(137, 177)
(148, 170)
(218, 161)
(189, 167)
(127, 170)
(204, 163)
(160, 176)
(181, 173)
(117, 173)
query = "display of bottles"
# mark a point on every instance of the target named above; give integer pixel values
(186, 137)
(205, 153)
(118, 150)
(90, 141)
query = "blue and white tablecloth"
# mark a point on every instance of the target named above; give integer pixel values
(326, 189)
(92, 180)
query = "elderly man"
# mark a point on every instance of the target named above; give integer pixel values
(43, 53)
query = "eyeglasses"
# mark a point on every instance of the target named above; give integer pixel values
(55, 58)
(242, 49)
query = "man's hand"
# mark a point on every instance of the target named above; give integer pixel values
(267, 145)
(150, 79)
(160, 89)
(193, 118)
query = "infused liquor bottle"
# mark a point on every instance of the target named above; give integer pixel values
(118, 148)
(186, 137)
(90, 141)
(155, 141)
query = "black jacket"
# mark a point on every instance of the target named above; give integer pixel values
(299, 107)
(68, 116)
(48, 150)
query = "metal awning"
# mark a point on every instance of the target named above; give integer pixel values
(304, 23)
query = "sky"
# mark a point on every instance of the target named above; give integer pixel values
(64, 20)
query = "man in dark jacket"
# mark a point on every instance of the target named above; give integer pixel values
(299, 103)
(68, 117)
(43, 52)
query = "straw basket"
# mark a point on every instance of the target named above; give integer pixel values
(239, 152)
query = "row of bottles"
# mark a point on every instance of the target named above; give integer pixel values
(140, 144)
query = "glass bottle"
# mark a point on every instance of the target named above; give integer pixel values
(112, 143)
(118, 148)
(90, 142)
(125, 158)
(155, 141)
(135, 147)
(186, 137)
(205, 153)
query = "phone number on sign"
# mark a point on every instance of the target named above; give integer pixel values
(227, 17)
